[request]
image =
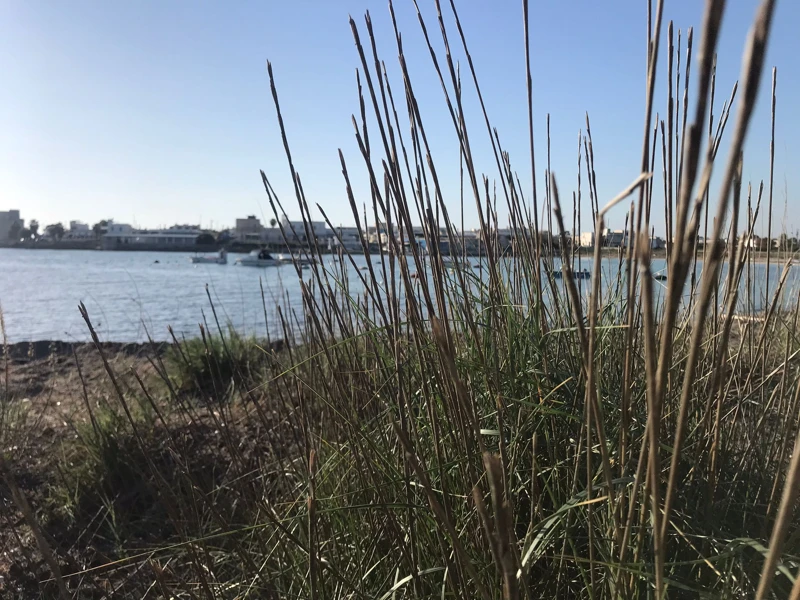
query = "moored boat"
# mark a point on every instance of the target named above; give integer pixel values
(221, 258)
(583, 274)
(259, 258)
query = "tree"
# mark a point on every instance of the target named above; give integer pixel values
(25, 234)
(273, 222)
(14, 231)
(34, 227)
(97, 228)
(205, 239)
(57, 231)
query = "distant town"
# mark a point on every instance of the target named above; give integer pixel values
(250, 233)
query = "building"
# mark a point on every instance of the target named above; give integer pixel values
(248, 230)
(78, 227)
(785, 243)
(79, 231)
(755, 242)
(121, 236)
(118, 229)
(348, 238)
(251, 231)
(586, 239)
(297, 230)
(611, 238)
(8, 219)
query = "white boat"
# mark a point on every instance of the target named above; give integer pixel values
(259, 258)
(221, 258)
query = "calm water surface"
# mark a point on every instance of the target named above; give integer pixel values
(131, 294)
(128, 294)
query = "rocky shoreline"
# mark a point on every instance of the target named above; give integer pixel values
(40, 349)
(37, 350)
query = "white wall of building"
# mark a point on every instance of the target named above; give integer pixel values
(79, 231)
(175, 236)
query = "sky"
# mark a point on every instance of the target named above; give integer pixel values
(159, 112)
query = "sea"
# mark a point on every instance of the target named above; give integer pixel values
(136, 296)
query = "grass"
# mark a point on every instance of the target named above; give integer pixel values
(491, 432)
(198, 366)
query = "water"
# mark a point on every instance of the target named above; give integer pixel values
(131, 294)
(128, 294)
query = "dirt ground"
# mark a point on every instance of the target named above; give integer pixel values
(49, 386)
(44, 391)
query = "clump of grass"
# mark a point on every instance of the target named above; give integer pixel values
(498, 432)
(206, 366)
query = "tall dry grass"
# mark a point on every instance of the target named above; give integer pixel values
(500, 431)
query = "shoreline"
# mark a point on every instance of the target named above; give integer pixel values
(39, 349)
(778, 257)
(756, 257)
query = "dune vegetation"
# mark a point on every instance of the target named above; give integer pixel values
(505, 431)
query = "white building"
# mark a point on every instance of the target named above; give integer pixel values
(754, 242)
(611, 238)
(118, 229)
(348, 238)
(7, 220)
(296, 229)
(79, 231)
(122, 235)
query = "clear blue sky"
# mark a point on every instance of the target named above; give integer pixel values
(158, 112)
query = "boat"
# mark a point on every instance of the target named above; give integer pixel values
(584, 274)
(259, 258)
(660, 276)
(221, 258)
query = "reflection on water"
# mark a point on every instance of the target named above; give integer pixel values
(131, 294)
